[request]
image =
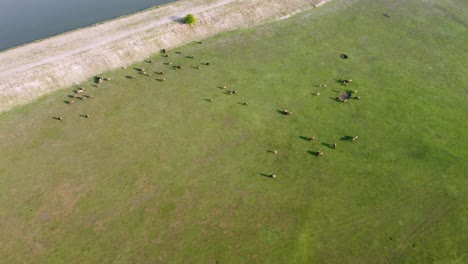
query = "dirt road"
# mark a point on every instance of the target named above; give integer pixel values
(38, 68)
(15, 65)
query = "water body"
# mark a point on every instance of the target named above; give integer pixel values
(23, 21)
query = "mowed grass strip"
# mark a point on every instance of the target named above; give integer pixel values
(176, 170)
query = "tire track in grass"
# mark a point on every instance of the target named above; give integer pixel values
(220, 205)
(190, 171)
(414, 231)
(405, 241)
(376, 213)
(353, 223)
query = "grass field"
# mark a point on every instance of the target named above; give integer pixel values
(159, 174)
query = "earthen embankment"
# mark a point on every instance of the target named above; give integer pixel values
(38, 68)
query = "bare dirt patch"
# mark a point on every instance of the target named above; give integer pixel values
(60, 202)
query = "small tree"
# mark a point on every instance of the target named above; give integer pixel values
(189, 19)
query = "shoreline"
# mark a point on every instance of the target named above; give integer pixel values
(41, 67)
(84, 27)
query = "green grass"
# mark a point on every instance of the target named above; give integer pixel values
(157, 174)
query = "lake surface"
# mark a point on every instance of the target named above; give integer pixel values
(23, 21)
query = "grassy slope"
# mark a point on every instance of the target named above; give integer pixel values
(157, 174)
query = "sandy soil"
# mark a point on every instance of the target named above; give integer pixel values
(38, 68)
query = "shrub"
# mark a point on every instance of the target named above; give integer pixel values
(189, 19)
